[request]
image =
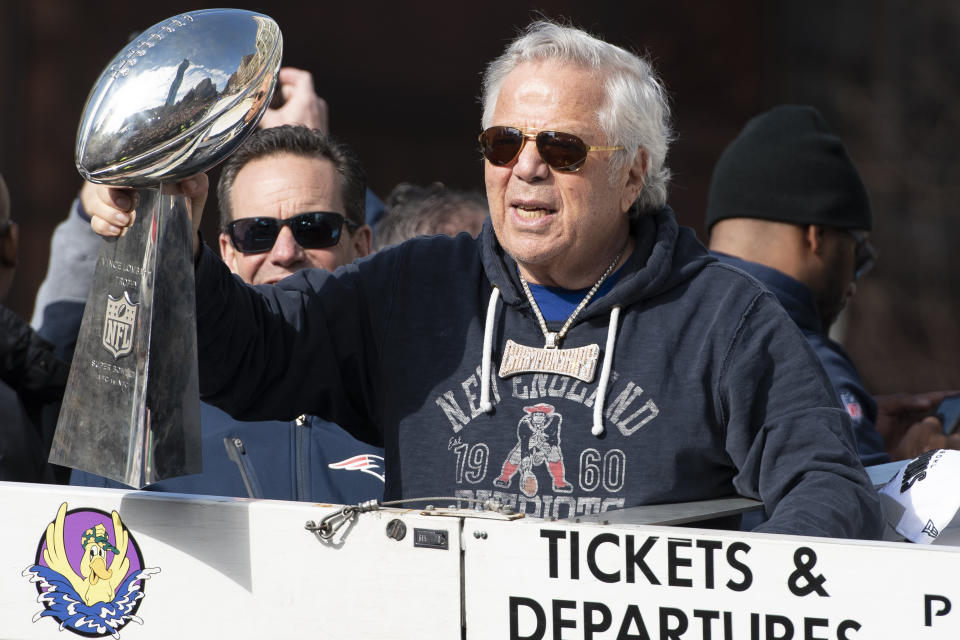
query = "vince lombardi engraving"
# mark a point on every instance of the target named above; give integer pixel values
(117, 265)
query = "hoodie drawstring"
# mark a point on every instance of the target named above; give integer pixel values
(485, 405)
(598, 406)
(485, 374)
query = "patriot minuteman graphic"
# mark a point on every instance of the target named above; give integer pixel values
(538, 442)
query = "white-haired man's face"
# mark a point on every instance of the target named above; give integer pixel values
(563, 228)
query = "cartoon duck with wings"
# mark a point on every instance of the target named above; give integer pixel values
(96, 582)
(101, 598)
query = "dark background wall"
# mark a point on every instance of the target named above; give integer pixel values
(402, 81)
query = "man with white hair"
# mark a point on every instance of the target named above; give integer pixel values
(676, 378)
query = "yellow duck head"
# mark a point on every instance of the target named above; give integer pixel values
(93, 566)
(97, 582)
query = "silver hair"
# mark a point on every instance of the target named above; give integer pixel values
(413, 211)
(636, 114)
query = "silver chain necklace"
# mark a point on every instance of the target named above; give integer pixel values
(553, 339)
(580, 362)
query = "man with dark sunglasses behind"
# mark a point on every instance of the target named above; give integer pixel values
(290, 199)
(788, 206)
(583, 354)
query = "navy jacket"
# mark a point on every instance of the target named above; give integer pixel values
(798, 302)
(32, 380)
(304, 459)
(712, 389)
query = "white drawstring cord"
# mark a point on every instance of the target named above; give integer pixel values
(485, 405)
(597, 428)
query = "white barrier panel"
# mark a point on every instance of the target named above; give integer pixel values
(181, 567)
(233, 568)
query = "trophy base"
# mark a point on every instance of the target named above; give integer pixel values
(131, 410)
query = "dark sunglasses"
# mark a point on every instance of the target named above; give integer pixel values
(314, 230)
(865, 256)
(562, 151)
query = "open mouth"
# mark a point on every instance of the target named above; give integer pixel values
(532, 210)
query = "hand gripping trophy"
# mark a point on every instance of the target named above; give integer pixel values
(177, 100)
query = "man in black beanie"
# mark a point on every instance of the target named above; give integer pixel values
(787, 206)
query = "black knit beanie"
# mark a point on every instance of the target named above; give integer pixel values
(786, 165)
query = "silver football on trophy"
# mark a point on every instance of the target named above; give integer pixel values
(179, 98)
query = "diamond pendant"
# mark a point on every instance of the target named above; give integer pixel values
(580, 363)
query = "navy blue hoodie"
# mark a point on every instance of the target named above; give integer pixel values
(712, 389)
(797, 300)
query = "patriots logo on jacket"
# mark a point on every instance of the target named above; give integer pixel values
(365, 462)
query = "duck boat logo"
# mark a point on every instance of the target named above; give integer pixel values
(89, 573)
(118, 325)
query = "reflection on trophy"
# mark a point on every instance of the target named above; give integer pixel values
(179, 99)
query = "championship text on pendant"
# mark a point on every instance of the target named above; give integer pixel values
(580, 363)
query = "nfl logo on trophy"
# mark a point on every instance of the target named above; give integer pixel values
(118, 325)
